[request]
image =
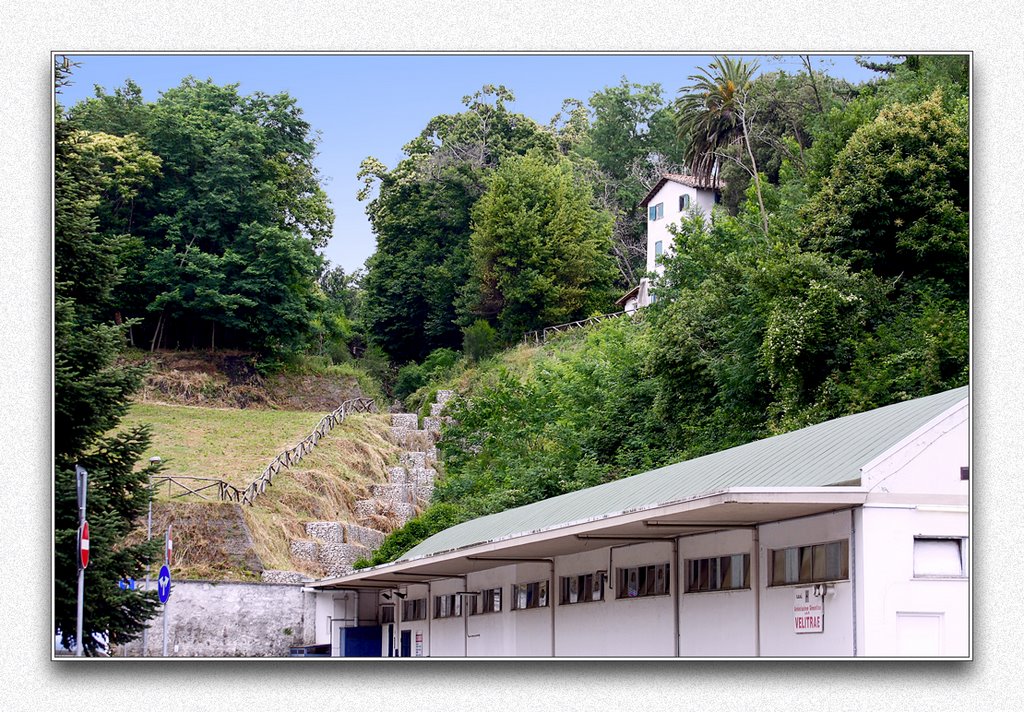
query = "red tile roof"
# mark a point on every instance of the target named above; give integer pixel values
(690, 181)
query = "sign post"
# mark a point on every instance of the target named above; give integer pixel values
(164, 582)
(82, 486)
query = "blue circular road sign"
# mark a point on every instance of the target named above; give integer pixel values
(163, 584)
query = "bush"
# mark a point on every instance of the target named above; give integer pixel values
(479, 340)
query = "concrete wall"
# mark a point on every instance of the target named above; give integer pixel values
(221, 619)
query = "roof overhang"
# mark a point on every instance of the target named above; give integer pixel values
(738, 508)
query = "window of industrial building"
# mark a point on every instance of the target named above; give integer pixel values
(939, 556)
(387, 613)
(581, 588)
(684, 202)
(414, 610)
(811, 564)
(529, 595)
(718, 573)
(656, 212)
(637, 581)
(447, 606)
(658, 248)
(489, 601)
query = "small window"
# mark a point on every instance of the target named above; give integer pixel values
(581, 588)
(640, 581)
(387, 613)
(684, 202)
(658, 248)
(529, 595)
(718, 198)
(447, 606)
(656, 212)
(719, 573)
(965, 473)
(489, 601)
(941, 557)
(414, 610)
(811, 564)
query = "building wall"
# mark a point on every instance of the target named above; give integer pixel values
(717, 623)
(669, 196)
(778, 637)
(492, 634)
(420, 628)
(904, 614)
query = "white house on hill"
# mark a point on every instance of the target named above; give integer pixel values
(849, 538)
(671, 197)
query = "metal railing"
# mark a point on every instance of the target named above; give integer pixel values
(540, 336)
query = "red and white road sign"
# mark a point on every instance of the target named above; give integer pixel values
(169, 548)
(83, 544)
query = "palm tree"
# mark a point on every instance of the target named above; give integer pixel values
(711, 115)
(708, 112)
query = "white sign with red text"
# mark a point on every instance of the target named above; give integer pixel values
(808, 612)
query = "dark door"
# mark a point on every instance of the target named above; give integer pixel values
(391, 640)
(406, 644)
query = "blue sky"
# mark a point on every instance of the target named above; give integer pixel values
(372, 105)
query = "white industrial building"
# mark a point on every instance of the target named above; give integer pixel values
(849, 538)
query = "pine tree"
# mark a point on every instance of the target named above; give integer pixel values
(91, 394)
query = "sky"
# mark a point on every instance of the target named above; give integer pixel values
(372, 105)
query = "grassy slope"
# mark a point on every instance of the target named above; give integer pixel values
(235, 445)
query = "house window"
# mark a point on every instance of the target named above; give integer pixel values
(811, 564)
(718, 573)
(718, 198)
(414, 610)
(684, 202)
(489, 601)
(639, 581)
(581, 588)
(965, 473)
(656, 212)
(529, 595)
(658, 248)
(447, 606)
(939, 556)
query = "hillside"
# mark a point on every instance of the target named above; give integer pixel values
(215, 540)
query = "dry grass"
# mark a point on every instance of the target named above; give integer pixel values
(324, 486)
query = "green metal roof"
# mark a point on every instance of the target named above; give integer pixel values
(828, 453)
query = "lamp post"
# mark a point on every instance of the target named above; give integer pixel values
(149, 536)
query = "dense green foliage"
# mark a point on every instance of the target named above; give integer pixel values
(221, 211)
(91, 394)
(839, 284)
(540, 251)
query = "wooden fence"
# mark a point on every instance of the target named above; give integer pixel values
(541, 335)
(180, 486)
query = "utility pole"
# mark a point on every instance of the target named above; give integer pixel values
(82, 485)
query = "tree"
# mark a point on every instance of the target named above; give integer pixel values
(713, 114)
(421, 217)
(91, 394)
(223, 240)
(540, 250)
(897, 197)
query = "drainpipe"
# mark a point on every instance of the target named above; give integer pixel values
(551, 602)
(465, 618)
(430, 615)
(676, 590)
(755, 585)
(853, 573)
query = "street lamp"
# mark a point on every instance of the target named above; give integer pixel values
(149, 536)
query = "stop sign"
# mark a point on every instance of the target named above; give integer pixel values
(83, 544)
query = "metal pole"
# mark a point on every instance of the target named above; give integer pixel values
(167, 605)
(149, 537)
(82, 485)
